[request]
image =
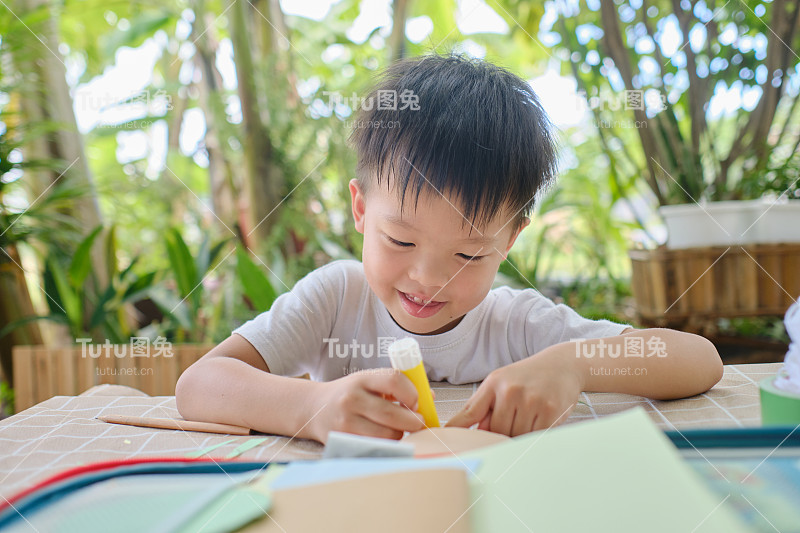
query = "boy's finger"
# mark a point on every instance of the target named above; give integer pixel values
(477, 409)
(523, 422)
(390, 415)
(544, 423)
(503, 419)
(368, 428)
(394, 385)
(486, 423)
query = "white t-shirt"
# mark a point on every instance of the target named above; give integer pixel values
(332, 324)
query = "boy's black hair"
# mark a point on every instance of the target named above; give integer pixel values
(479, 135)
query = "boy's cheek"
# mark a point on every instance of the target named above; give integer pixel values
(380, 268)
(382, 259)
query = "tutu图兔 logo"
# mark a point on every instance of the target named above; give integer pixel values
(137, 347)
(356, 349)
(632, 347)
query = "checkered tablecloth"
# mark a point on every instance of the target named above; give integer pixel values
(63, 431)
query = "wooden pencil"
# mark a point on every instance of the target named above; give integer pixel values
(175, 423)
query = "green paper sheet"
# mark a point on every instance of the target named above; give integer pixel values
(616, 474)
(231, 511)
(248, 445)
(200, 453)
(157, 503)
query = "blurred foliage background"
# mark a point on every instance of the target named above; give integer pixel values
(168, 168)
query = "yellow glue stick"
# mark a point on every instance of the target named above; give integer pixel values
(406, 357)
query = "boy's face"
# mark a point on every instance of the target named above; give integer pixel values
(426, 254)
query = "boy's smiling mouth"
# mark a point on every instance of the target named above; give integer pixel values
(420, 299)
(417, 306)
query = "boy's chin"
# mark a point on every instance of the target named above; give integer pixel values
(432, 329)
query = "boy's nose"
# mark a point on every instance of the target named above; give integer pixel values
(429, 274)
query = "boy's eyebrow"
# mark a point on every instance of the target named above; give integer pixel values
(481, 239)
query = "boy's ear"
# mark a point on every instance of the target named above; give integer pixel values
(514, 235)
(358, 203)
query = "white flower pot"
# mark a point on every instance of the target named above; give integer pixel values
(732, 223)
(712, 224)
(778, 222)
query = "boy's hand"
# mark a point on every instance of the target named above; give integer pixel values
(532, 394)
(363, 403)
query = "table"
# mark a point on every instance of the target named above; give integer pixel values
(62, 432)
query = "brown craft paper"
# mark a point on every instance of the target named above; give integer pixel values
(450, 440)
(398, 502)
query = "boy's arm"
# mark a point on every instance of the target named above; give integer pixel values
(662, 364)
(229, 381)
(541, 390)
(232, 384)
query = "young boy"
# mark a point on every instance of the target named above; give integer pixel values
(447, 177)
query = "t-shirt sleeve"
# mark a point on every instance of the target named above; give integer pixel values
(291, 334)
(548, 323)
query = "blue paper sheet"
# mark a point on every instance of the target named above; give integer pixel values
(302, 473)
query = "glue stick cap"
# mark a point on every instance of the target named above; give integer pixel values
(404, 354)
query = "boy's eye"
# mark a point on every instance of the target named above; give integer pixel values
(466, 257)
(399, 243)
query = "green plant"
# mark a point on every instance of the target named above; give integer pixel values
(257, 288)
(651, 99)
(75, 300)
(185, 300)
(599, 298)
(6, 399)
(768, 328)
(36, 222)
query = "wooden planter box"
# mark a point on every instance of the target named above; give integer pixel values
(674, 286)
(41, 372)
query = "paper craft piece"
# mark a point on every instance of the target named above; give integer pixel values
(234, 509)
(398, 502)
(450, 440)
(340, 445)
(780, 396)
(66, 482)
(619, 473)
(249, 445)
(146, 502)
(764, 493)
(201, 453)
(175, 423)
(788, 379)
(778, 407)
(303, 473)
